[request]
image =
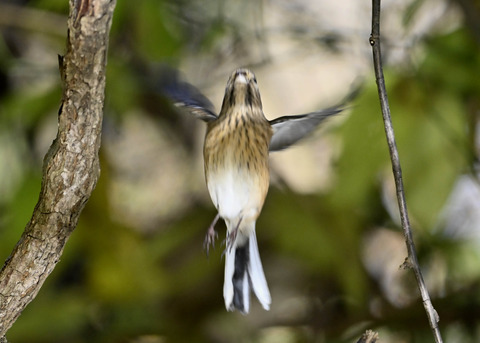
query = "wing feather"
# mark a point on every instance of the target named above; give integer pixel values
(290, 129)
(187, 97)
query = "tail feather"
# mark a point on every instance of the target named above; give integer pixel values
(257, 276)
(228, 284)
(241, 288)
(243, 269)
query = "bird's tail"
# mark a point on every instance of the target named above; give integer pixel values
(243, 270)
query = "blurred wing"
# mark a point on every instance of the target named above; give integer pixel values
(289, 130)
(186, 96)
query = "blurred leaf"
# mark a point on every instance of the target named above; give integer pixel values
(123, 94)
(156, 36)
(364, 153)
(430, 137)
(59, 6)
(451, 61)
(67, 315)
(17, 213)
(28, 107)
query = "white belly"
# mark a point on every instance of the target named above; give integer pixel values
(235, 194)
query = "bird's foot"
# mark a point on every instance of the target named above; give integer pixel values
(211, 235)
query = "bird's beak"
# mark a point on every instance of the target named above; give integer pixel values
(241, 78)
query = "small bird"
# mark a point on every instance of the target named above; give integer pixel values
(236, 149)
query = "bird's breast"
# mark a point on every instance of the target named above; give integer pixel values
(236, 164)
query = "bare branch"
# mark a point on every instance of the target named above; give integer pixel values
(397, 171)
(71, 166)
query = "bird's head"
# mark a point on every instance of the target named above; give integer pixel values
(242, 90)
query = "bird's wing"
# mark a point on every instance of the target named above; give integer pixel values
(290, 129)
(186, 96)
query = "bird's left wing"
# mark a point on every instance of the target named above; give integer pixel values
(186, 96)
(290, 129)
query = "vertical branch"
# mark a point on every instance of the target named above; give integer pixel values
(397, 171)
(71, 166)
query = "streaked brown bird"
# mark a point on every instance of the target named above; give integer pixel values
(237, 144)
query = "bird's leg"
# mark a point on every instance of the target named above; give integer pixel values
(211, 235)
(232, 236)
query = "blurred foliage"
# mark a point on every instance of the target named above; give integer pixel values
(121, 280)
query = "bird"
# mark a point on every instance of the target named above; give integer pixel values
(236, 164)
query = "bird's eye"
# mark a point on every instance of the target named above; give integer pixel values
(255, 79)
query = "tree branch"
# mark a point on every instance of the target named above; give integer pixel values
(71, 166)
(397, 171)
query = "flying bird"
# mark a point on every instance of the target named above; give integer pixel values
(236, 149)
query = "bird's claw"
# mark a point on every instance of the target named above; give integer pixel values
(211, 235)
(210, 239)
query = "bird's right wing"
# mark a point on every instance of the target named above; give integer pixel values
(290, 129)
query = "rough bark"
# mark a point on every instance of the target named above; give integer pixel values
(71, 166)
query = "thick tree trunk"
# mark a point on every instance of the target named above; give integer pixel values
(71, 166)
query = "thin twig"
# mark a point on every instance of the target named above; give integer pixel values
(397, 172)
